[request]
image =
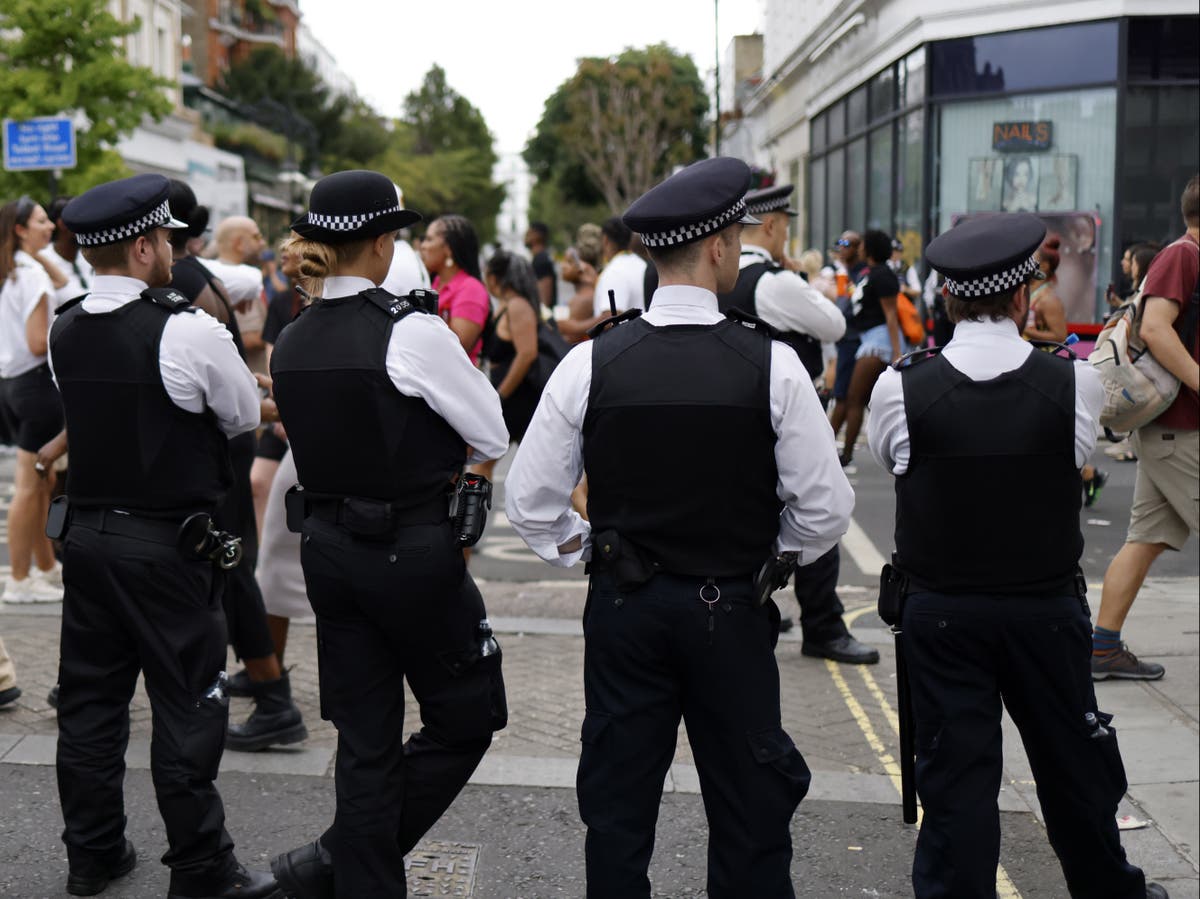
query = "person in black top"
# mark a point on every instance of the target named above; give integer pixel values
(873, 316)
(152, 390)
(276, 719)
(536, 240)
(511, 343)
(380, 405)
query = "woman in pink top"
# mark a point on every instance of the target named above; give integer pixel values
(450, 250)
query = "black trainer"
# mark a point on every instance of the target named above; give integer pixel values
(89, 883)
(1156, 891)
(842, 649)
(12, 694)
(306, 872)
(275, 720)
(241, 884)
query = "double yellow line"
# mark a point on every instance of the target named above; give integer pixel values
(1004, 885)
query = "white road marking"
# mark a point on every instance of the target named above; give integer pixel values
(856, 542)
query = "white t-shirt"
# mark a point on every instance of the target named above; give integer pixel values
(19, 297)
(242, 282)
(625, 276)
(407, 272)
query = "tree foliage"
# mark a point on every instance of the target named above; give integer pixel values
(67, 57)
(619, 125)
(441, 153)
(288, 97)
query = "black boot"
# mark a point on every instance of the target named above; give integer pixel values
(305, 873)
(96, 878)
(239, 684)
(275, 720)
(241, 884)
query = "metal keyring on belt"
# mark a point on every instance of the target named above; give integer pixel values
(716, 599)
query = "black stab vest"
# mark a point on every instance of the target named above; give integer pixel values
(990, 502)
(131, 446)
(351, 431)
(678, 445)
(807, 347)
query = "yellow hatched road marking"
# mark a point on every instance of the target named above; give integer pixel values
(1005, 889)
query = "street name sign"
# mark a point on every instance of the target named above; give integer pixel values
(32, 145)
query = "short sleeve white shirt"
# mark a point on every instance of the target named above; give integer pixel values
(19, 297)
(625, 276)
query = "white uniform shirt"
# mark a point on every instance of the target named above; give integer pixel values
(407, 272)
(981, 351)
(79, 275)
(197, 359)
(242, 282)
(787, 302)
(425, 359)
(625, 276)
(816, 495)
(19, 297)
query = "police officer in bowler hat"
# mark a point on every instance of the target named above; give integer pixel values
(383, 409)
(152, 388)
(706, 452)
(995, 610)
(770, 287)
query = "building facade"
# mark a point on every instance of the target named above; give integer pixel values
(906, 117)
(222, 32)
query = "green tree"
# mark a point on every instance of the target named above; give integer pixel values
(287, 96)
(443, 156)
(619, 125)
(66, 57)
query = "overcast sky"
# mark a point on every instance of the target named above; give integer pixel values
(508, 56)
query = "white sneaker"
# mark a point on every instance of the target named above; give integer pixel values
(53, 577)
(31, 589)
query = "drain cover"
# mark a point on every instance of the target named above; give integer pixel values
(442, 869)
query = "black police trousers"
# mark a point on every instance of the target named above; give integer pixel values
(821, 610)
(651, 656)
(396, 609)
(131, 605)
(967, 655)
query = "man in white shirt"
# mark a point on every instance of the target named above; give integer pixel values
(407, 272)
(769, 287)
(707, 453)
(994, 611)
(239, 248)
(151, 388)
(624, 273)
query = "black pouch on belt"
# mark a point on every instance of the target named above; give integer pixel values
(623, 559)
(295, 508)
(893, 585)
(58, 519)
(368, 518)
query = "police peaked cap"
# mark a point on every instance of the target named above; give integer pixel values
(353, 205)
(770, 199)
(989, 254)
(693, 203)
(119, 210)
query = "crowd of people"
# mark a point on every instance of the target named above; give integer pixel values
(217, 398)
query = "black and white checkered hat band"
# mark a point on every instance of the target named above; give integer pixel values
(348, 222)
(688, 233)
(766, 206)
(154, 219)
(992, 284)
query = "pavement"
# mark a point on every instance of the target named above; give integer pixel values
(515, 830)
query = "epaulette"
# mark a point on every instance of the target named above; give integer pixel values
(395, 307)
(167, 297)
(609, 323)
(1053, 348)
(751, 321)
(70, 303)
(916, 357)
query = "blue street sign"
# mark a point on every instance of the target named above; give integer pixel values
(35, 144)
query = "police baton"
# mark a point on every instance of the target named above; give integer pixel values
(908, 749)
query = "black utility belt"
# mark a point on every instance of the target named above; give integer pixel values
(195, 536)
(375, 519)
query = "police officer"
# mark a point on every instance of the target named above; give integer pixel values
(770, 287)
(995, 611)
(383, 409)
(691, 427)
(151, 389)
